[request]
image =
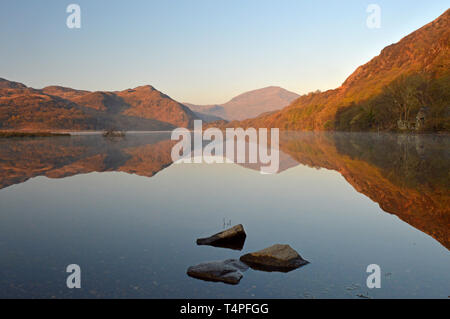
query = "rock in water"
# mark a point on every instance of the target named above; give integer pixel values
(228, 271)
(233, 238)
(275, 258)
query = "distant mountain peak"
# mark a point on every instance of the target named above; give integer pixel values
(249, 104)
(144, 88)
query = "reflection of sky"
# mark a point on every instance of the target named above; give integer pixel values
(142, 230)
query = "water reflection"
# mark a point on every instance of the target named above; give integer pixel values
(407, 175)
(22, 159)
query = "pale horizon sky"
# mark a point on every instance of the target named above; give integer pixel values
(200, 51)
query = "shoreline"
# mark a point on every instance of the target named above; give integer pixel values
(60, 133)
(12, 134)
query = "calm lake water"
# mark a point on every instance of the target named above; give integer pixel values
(130, 218)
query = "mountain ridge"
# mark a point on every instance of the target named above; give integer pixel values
(58, 107)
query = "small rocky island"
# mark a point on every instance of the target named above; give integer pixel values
(113, 133)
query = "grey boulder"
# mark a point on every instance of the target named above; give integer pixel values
(227, 271)
(275, 258)
(233, 238)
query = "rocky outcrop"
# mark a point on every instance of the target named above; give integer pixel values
(233, 238)
(227, 271)
(275, 258)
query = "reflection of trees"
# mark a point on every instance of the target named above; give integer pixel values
(409, 160)
(406, 175)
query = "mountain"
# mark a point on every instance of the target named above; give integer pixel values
(149, 103)
(408, 75)
(56, 107)
(208, 113)
(249, 104)
(207, 118)
(142, 102)
(64, 92)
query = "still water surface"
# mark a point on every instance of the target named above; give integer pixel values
(129, 217)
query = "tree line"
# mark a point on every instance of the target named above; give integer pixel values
(398, 106)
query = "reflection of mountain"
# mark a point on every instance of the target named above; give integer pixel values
(61, 157)
(406, 175)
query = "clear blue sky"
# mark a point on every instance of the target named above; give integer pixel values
(200, 51)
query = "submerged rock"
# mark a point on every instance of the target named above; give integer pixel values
(228, 271)
(233, 238)
(275, 258)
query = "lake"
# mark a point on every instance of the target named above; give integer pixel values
(129, 217)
